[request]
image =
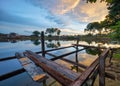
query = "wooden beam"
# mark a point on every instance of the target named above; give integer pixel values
(54, 49)
(69, 61)
(7, 58)
(102, 68)
(11, 74)
(61, 56)
(13, 57)
(61, 73)
(50, 54)
(94, 46)
(35, 72)
(108, 75)
(83, 77)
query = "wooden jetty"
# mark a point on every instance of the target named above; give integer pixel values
(35, 72)
(38, 67)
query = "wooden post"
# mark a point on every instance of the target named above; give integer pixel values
(101, 71)
(111, 55)
(102, 59)
(42, 44)
(76, 55)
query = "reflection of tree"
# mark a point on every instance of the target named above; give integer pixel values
(13, 41)
(92, 51)
(53, 45)
(58, 43)
(36, 42)
(89, 41)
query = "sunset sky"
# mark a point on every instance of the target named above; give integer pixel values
(71, 16)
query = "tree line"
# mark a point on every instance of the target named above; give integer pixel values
(111, 23)
(49, 31)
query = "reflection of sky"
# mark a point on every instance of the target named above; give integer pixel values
(9, 66)
(71, 16)
(22, 79)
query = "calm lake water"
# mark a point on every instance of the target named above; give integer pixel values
(10, 48)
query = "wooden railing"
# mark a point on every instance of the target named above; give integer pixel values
(90, 72)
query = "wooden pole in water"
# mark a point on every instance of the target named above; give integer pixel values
(42, 44)
(76, 55)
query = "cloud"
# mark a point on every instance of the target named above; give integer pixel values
(56, 6)
(70, 15)
(73, 10)
(94, 12)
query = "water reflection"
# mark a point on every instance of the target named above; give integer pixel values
(92, 51)
(56, 43)
(36, 42)
(53, 44)
(85, 57)
(10, 40)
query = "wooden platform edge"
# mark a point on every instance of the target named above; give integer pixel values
(53, 68)
(35, 72)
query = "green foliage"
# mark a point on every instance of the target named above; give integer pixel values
(114, 12)
(112, 21)
(92, 51)
(36, 33)
(91, 27)
(117, 54)
(116, 31)
(51, 31)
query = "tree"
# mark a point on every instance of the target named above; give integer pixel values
(51, 31)
(112, 19)
(36, 33)
(58, 32)
(114, 11)
(94, 26)
(116, 31)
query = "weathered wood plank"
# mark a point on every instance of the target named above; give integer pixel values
(35, 72)
(88, 71)
(61, 73)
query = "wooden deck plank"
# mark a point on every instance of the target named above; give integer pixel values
(35, 72)
(61, 73)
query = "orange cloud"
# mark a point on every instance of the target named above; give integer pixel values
(95, 11)
(64, 6)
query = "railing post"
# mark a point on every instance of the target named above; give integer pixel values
(43, 44)
(102, 59)
(76, 55)
(101, 71)
(111, 55)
